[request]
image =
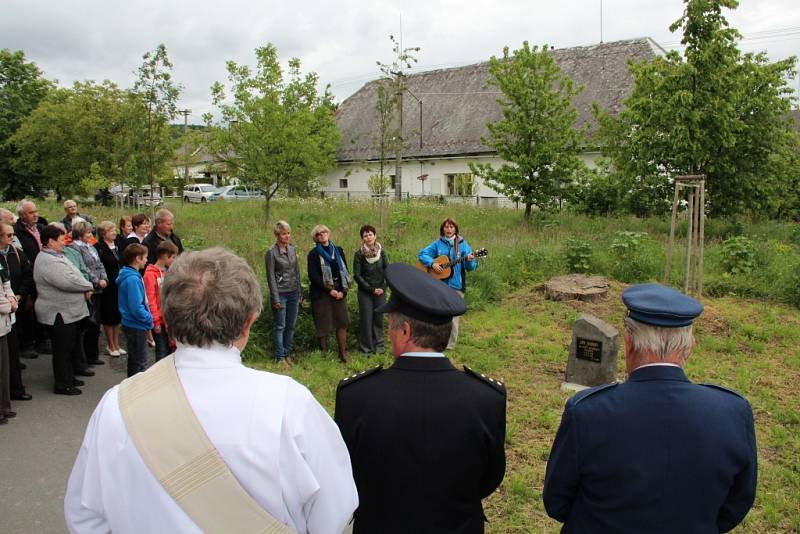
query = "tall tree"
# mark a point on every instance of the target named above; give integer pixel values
(76, 140)
(156, 96)
(712, 111)
(536, 137)
(22, 87)
(275, 132)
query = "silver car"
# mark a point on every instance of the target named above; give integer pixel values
(240, 192)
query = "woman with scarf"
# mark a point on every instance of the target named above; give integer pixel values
(369, 265)
(455, 247)
(327, 272)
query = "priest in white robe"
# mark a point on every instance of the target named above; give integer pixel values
(280, 444)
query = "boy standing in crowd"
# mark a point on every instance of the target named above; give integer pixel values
(153, 278)
(136, 316)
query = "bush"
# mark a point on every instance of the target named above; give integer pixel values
(579, 255)
(635, 258)
(738, 255)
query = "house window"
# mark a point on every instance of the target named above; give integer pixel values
(342, 183)
(394, 181)
(460, 184)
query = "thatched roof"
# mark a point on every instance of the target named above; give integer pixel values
(458, 102)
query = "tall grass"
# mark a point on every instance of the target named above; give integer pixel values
(521, 252)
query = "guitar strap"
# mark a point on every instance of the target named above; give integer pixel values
(176, 449)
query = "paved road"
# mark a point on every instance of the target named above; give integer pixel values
(38, 447)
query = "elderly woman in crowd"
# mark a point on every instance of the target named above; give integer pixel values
(369, 266)
(124, 230)
(20, 272)
(327, 272)
(81, 237)
(8, 305)
(61, 305)
(283, 278)
(108, 250)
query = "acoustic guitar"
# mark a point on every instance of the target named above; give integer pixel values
(447, 264)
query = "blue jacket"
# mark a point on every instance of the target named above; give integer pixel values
(441, 247)
(654, 454)
(132, 302)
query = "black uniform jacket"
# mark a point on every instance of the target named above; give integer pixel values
(427, 444)
(655, 454)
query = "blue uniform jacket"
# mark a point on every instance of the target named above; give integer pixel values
(132, 301)
(655, 454)
(441, 247)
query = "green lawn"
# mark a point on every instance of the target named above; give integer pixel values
(513, 334)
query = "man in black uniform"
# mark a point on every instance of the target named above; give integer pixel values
(657, 453)
(427, 441)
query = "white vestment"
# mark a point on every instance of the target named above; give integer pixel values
(282, 446)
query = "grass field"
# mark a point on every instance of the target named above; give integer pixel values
(512, 333)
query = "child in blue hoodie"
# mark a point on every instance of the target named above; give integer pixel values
(136, 317)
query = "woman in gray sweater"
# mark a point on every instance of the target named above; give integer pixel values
(283, 278)
(61, 304)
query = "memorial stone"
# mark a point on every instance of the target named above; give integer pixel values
(593, 352)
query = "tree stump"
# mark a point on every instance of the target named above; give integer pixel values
(576, 287)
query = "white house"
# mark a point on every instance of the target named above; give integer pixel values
(443, 133)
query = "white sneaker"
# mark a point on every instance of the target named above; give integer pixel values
(123, 352)
(114, 353)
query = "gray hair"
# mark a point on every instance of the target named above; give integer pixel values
(21, 206)
(659, 340)
(79, 229)
(5, 213)
(68, 203)
(317, 229)
(428, 335)
(281, 226)
(208, 296)
(162, 215)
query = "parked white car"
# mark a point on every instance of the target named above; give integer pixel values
(240, 192)
(200, 193)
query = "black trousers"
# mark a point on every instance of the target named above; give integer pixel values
(67, 351)
(17, 387)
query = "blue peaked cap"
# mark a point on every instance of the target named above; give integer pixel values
(659, 305)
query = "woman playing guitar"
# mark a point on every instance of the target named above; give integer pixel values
(452, 245)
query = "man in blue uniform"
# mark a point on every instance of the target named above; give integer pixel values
(657, 453)
(426, 440)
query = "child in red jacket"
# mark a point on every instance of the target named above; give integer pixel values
(153, 278)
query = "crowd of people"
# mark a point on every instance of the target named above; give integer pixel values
(203, 443)
(65, 282)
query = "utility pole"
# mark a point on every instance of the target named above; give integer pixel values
(398, 166)
(185, 113)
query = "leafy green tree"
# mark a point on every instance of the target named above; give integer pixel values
(276, 132)
(75, 137)
(155, 97)
(712, 111)
(22, 87)
(536, 137)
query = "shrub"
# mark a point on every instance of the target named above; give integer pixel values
(635, 257)
(738, 255)
(579, 255)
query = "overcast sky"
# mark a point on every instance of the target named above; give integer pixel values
(340, 40)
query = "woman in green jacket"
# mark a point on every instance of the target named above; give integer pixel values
(369, 265)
